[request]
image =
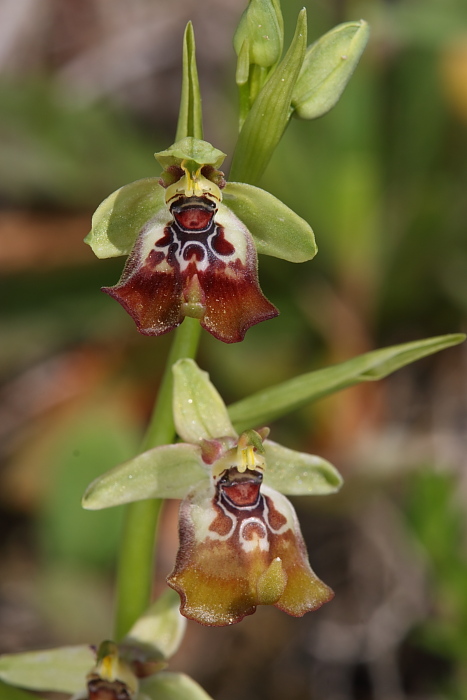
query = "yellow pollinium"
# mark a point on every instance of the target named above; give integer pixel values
(193, 184)
(110, 667)
(248, 458)
(248, 454)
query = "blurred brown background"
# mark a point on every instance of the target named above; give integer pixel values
(89, 90)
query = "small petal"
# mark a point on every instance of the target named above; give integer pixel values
(169, 471)
(298, 473)
(57, 670)
(240, 548)
(199, 412)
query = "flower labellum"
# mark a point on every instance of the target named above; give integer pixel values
(194, 257)
(241, 546)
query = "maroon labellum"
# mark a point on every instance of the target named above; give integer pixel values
(195, 258)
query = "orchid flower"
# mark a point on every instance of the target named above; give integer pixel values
(240, 541)
(192, 242)
(129, 670)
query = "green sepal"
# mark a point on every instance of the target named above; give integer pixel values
(61, 670)
(193, 152)
(171, 686)
(270, 113)
(198, 410)
(190, 118)
(161, 627)
(279, 400)
(277, 230)
(297, 473)
(261, 27)
(119, 219)
(163, 472)
(327, 68)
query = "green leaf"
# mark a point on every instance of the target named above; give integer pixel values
(59, 670)
(171, 686)
(275, 228)
(297, 473)
(193, 151)
(267, 405)
(7, 692)
(270, 113)
(199, 412)
(161, 627)
(190, 119)
(119, 219)
(163, 472)
(261, 28)
(327, 68)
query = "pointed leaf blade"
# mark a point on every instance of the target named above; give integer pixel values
(199, 412)
(57, 670)
(169, 471)
(190, 120)
(119, 219)
(276, 229)
(327, 68)
(297, 473)
(277, 401)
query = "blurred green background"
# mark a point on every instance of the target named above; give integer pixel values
(89, 90)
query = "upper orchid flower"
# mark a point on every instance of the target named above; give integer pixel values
(191, 252)
(240, 542)
(130, 670)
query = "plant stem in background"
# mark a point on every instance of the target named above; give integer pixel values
(136, 557)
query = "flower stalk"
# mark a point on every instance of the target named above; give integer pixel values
(135, 572)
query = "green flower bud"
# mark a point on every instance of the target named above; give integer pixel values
(327, 68)
(261, 27)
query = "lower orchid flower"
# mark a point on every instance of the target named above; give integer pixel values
(190, 250)
(129, 670)
(240, 541)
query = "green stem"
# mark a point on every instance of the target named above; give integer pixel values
(136, 557)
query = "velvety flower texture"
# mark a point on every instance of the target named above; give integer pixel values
(241, 546)
(190, 254)
(240, 541)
